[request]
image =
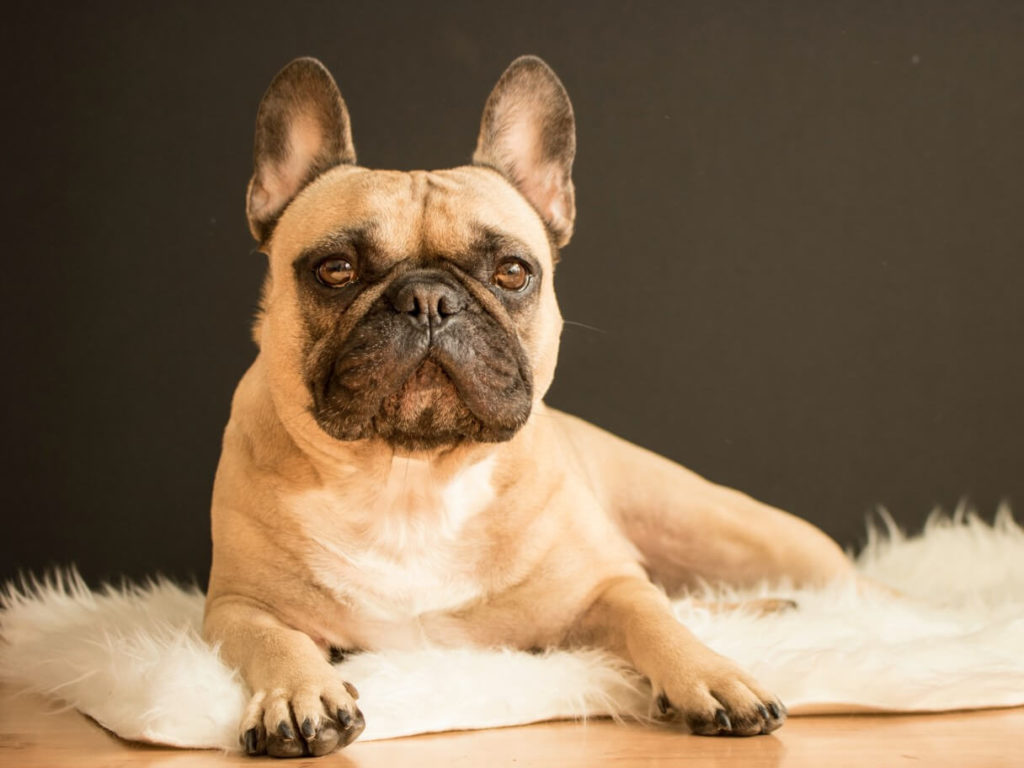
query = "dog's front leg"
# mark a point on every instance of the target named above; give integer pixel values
(299, 705)
(692, 684)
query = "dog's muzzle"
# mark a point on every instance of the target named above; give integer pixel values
(430, 299)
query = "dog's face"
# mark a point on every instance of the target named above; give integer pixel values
(421, 304)
(415, 308)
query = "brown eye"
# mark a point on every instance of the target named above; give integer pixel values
(512, 275)
(334, 273)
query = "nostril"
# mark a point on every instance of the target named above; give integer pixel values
(405, 302)
(427, 302)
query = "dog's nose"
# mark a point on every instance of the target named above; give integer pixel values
(429, 301)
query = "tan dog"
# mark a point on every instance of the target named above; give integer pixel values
(390, 474)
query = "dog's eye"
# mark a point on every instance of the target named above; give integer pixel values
(512, 275)
(334, 273)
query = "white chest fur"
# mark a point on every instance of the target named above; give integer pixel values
(402, 549)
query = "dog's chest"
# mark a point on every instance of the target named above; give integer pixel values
(406, 547)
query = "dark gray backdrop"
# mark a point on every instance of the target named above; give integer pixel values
(799, 242)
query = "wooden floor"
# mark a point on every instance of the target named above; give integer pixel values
(33, 736)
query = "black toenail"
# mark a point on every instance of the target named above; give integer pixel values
(762, 711)
(774, 709)
(307, 728)
(285, 730)
(344, 718)
(723, 720)
(664, 705)
(251, 738)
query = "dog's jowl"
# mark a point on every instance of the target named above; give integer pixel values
(391, 476)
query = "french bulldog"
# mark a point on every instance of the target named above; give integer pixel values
(390, 475)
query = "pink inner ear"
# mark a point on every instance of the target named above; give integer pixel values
(546, 190)
(279, 180)
(519, 140)
(540, 182)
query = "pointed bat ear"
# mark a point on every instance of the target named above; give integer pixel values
(302, 130)
(528, 134)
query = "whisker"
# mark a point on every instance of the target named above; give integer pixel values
(584, 325)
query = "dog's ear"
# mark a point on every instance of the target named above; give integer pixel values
(302, 130)
(528, 133)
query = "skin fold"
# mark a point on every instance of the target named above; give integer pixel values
(390, 475)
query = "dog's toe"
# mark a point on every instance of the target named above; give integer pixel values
(352, 726)
(253, 741)
(726, 703)
(324, 739)
(723, 721)
(284, 742)
(309, 720)
(251, 735)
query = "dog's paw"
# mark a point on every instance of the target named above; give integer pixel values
(308, 720)
(719, 699)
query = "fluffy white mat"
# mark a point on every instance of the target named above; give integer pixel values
(132, 658)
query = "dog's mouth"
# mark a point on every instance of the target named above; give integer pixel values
(428, 387)
(419, 393)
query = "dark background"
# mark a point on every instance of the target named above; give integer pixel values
(799, 243)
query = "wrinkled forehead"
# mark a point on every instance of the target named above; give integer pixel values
(437, 213)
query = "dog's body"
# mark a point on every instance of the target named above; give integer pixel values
(390, 474)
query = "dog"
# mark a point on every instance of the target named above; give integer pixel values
(390, 475)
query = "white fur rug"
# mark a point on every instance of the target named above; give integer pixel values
(132, 659)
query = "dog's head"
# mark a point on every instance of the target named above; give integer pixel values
(416, 308)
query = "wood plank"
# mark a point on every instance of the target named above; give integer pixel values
(34, 734)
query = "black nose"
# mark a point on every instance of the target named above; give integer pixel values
(429, 300)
